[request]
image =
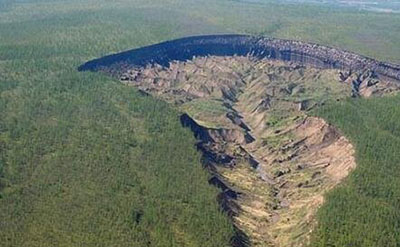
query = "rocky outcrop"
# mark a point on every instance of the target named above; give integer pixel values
(228, 45)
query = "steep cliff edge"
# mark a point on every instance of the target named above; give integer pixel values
(248, 105)
(227, 45)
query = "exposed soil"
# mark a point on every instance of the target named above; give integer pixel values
(272, 162)
(249, 108)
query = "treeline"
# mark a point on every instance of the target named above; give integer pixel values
(365, 210)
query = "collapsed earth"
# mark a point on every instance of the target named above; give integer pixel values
(249, 102)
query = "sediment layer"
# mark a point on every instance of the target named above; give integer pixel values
(228, 45)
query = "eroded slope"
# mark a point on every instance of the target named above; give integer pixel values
(273, 162)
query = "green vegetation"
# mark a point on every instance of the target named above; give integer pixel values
(207, 109)
(365, 211)
(86, 161)
(213, 107)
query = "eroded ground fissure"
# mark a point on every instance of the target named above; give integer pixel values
(247, 101)
(273, 162)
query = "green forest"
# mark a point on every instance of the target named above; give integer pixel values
(365, 211)
(88, 161)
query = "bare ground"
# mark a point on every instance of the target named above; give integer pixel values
(260, 138)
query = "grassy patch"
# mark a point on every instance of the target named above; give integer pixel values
(210, 112)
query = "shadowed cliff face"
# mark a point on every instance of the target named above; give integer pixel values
(228, 45)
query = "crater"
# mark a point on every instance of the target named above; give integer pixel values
(248, 102)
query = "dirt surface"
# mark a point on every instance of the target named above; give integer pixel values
(272, 161)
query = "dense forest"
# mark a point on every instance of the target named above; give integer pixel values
(99, 165)
(365, 211)
(87, 161)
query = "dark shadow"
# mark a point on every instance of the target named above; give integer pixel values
(232, 44)
(228, 196)
(240, 239)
